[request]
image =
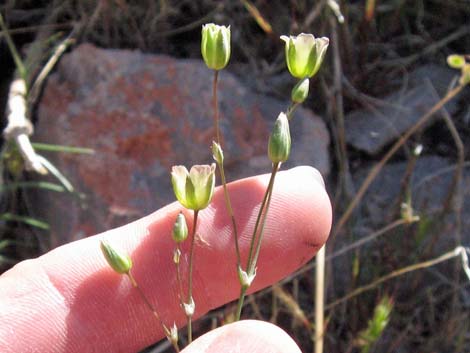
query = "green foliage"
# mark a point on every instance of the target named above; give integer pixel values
(376, 325)
(9, 217)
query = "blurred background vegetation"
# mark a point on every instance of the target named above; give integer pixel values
(371, 305)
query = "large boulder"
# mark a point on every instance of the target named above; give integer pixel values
(142, 114)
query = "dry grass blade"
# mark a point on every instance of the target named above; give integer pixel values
(292, 305)
(458, 251)
(378, 167)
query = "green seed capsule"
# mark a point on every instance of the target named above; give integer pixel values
(180, 229)
(300, 91)
(280, 142)
(119, 261)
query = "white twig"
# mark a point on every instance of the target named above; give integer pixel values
(463, 255)
(60, 49)
(319, 299)
(334, 6)
(19, 128)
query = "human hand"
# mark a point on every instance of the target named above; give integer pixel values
(69, 300)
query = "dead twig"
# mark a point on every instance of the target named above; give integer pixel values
(38, 82)
(19, 128)
(341, 150)
(319, 299)
(458, 251)
(378, 167)
(429, 50)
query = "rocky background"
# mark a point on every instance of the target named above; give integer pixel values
(133, 89)
(142, 114)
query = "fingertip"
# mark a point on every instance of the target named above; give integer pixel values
(303, 188)
(306, 171)
(244, 336)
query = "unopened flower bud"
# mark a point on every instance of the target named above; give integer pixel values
(280, 141)
(217, 153)
(119, 261)
(304, 54)
(456, 61)
(180, 229)
(300, 91)
(215, 45)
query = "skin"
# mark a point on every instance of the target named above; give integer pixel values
(70, 300)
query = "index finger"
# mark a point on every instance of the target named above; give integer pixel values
(70, 300)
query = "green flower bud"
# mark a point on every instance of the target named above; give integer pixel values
(456, 61)
(304, 54)
(215, 45)
(119, 261)
(180, 229)
(280, 141)
(217, 153)
(194, 189)
(300, 91)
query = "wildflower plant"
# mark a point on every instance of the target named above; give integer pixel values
(194, 188)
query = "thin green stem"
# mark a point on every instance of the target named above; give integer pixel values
(260, 220)
(190, 280)
(144, 298)
(152, 309)
(228, 203)
(241, 299)
(16, 57)
(291, 109)
(178, 275)
(265, 214)
(216, 105)
(259, 217)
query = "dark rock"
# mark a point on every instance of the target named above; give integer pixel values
(142, 114)
(371, 129)
(436, 233)
(431, 185)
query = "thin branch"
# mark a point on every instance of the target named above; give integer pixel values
(59, 50)
(19, 128)
(458, 251)
(319, 299)
(378, 167)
